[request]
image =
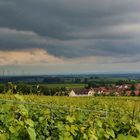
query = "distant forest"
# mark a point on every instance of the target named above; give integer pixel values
(81, 78)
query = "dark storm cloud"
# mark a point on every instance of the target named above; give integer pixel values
(71, 28)
(58, 19)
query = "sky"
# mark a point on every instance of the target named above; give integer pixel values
(69, 36)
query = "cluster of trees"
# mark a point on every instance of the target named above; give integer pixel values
(27, 89)
(108, 83)
(96, 84)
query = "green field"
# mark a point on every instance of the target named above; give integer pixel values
(33, 117)
(64, 85)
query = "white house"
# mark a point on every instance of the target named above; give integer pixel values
(91, 92)
(72, 93)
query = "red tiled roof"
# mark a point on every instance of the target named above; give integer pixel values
(136, 92)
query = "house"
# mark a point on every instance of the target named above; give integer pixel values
(72, 93)
(103, 91)
(134, 93)
(91, 92)
(128, 93)
(82, 92)
(117, 93)
(137, 86)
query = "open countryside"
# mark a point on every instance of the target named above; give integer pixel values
(65, 85)
(69, 69)
(96, 108)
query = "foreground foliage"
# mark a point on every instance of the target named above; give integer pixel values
(65, 118)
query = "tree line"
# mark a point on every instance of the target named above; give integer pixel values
(27, 89)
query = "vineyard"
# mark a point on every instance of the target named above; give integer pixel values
(69, 118)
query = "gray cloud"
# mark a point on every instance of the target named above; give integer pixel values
(70, 29)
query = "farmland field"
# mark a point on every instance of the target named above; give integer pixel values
(65, 85)
(69, 118)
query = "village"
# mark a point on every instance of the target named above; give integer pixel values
(113, 90)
